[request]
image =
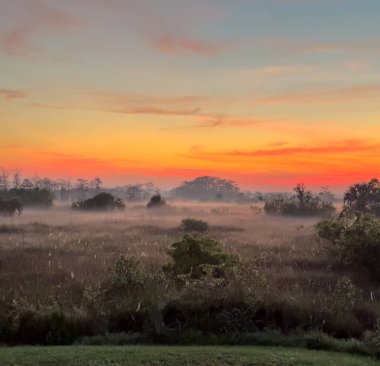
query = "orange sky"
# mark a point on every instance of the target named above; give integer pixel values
(134, 92)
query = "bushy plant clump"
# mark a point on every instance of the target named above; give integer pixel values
(195, 256)
(303, 203)
(355, 241)
(194, 225)
(102, 201)
(364, 197)
(156, 201)
(29, 196)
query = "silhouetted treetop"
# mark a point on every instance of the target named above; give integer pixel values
(207, 188)
(364, 197)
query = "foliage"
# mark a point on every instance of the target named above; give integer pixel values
(156, 201)
(10, 207)
(29, 197)
(355, 240)
(303, 203)
(194, 225)
(102, 201)
(364, 197)
(195, 256)
(371, 340)
(176, 356)
(208, 189)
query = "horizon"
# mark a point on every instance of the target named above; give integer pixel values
(266, 93)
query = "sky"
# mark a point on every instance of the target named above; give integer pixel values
(268, 93)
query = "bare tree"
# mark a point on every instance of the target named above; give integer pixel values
(16, 181)
(4, 179)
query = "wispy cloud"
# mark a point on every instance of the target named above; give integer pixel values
(11, 94)
(171, 44)
(301, 46)
(331, 149)
(19, 35)
(286, 69)
(367, 92)
(172, 28)
(132, 103)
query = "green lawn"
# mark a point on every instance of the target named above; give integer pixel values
(174, 356)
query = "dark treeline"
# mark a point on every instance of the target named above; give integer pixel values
(206, 188)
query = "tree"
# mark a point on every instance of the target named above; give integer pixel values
(354, 240)
(97, 183)
(364, 197)
(195, 256)
(82, 186)
(102, 201)
(302, 195)
(4, 176)
(326, 195)
(16, 182)
(208, 189)
(156, 201)
(303, 203)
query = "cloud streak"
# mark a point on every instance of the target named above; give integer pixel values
(20, 37)
(367, 92)
(331, 149)
(370, 47)
(11, 94)
(171, 44)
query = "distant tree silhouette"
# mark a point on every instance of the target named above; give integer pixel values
(156, 201)
(10, 207)
(102, 201)
(303, 203)
(207, 188)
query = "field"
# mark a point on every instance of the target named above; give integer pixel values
(175, 356)
(60, 261)
(46, 254)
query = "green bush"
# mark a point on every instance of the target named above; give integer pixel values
(194, 225)
(355, 241)
(196, 256)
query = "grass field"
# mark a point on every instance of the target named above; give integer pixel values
(57, 279)
(175, 356)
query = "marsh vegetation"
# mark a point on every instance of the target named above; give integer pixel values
(190, 273)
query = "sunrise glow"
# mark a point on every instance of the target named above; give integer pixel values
(268, 93)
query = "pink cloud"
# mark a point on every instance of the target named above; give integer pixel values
(286, 69)
(334, 147)
(134, 104)
(171, 44)
(20, 37)
(367, 92)
(291, 46)
(10, 94)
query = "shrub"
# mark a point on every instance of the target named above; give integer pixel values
(371, 341)
(48, 327)
(195, 256)
(304, 203)
(156, 201)
(194, 225)
(10, 207)
(102, 201)
(355, 240)
(29, 197)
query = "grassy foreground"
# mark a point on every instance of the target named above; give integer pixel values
(176, 356)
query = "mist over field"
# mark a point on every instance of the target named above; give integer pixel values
(179, 173)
